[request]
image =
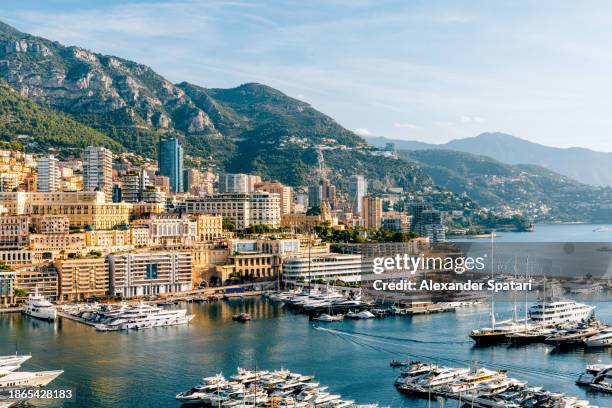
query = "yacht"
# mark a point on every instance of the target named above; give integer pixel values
(329, 318)
(550, 312)
(473, 380)
(530, 336)
(143, 316)
(498, 332)
(574, 336)
(592, 371)
(365, 314)
(13, 360)
(20, 379)
(603, 381)
(39, 307)
(602, 339)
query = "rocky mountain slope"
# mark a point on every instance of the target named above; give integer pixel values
(251, 128)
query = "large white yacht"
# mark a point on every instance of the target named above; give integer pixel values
(20, 379)
(550, 312)
(602, 339)
(39, 307)
(143, 316)
(13, 360)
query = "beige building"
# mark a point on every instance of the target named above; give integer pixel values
(56, 245)
(170, 228)
(14, 230)
(52, 224)
(244, 209)
(42, 278)
(107, 241)
(307, 222)
(209, 227)
(83, 208)
(372, 212)
(284, 192)
(82, 278)
(15, 256)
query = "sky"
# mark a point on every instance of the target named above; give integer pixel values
(418, 70)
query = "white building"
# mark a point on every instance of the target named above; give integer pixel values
(98, 170)
(149, 273)
(244, 209)
(171, 228)
(238, 183)
(329, 267)
(49, 176)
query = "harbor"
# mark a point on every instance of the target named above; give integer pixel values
(342, 355)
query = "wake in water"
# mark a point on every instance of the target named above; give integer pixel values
(382, 344)
(408, 340)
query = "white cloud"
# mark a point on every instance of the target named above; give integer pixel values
(472, 119)
(405, 125)
(362, 132)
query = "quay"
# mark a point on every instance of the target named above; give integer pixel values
(10, 310)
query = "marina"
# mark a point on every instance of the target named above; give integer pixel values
(250, 388)
(114, 317)
(342, 355)
(480, 387)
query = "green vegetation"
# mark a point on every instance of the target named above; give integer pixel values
(541, 194)
(5, 268)
(20, 292)
(228, 225)
(42, 128)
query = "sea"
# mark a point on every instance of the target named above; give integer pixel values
(148, 368)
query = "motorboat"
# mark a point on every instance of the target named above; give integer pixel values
(329, 318)
(601, 339)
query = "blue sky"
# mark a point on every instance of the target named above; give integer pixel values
(424, 70)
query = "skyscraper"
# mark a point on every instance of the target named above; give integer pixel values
(372, 212)
(170, 160)
(98, 170)
(49, 177)
(315, 196)
(358, 188)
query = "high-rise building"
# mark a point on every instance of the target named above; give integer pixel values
(134, 184)
(49, 176)
(170, 160)
(328, 193)
(285, 193)
(315, 196)
(372, 212)
(98, 170)
(358, 188)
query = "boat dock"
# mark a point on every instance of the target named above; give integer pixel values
(10, 310)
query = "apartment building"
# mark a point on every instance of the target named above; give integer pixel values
(150, 273)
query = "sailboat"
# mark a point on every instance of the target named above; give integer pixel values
(497, 332)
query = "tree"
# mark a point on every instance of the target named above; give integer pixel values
(20, 292)
(229, 225)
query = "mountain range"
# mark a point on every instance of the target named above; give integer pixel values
(251, 128)
(584, 165)
(62, 98)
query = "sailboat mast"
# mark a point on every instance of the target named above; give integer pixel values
(493, 277)
(526, 281)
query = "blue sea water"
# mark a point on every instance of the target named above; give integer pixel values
(148, 368)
